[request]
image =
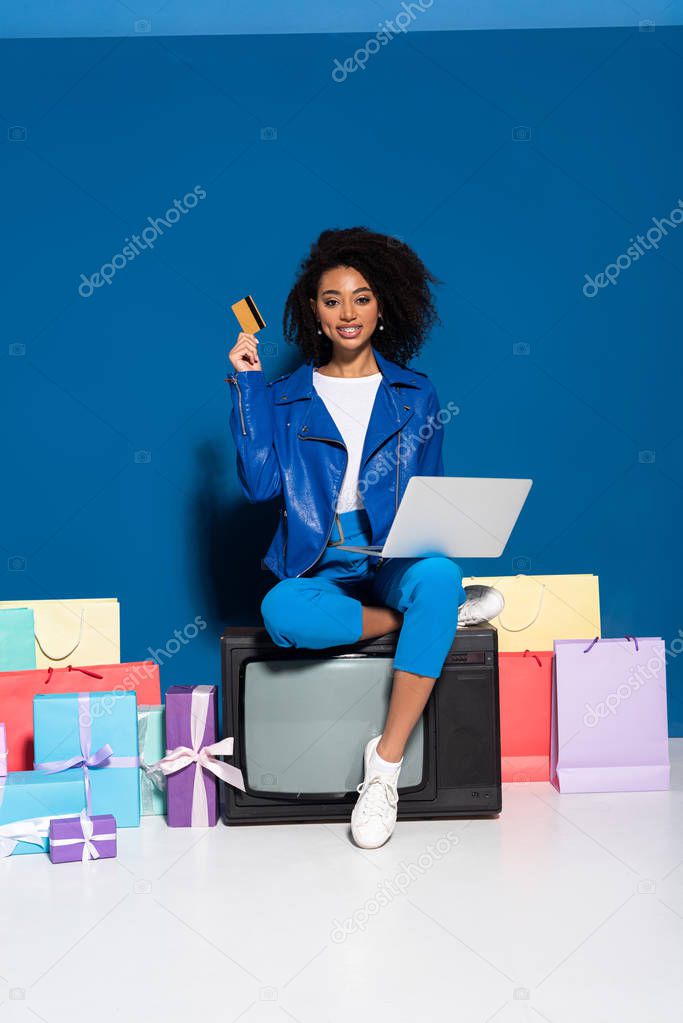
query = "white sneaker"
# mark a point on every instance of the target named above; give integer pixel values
(374, 815)
(483, 603)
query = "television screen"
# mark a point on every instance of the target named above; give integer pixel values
(306, 724)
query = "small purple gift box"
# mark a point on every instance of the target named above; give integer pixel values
(191, 762)
(82, 838)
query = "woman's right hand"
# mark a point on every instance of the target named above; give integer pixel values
(244, 354)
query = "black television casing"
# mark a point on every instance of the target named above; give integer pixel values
(462, 769)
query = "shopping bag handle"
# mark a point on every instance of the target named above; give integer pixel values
(507, 628)
(62, 657)
(629, 638)
(70, 667)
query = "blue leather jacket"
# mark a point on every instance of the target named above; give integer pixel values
(289, 447)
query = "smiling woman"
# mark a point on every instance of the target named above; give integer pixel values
(347, 304)
(372, 283)
(359, 310)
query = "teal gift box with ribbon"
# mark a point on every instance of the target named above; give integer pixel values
(97, 733)
(28, 802)
(152, 740)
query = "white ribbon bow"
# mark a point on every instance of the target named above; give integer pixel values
(204, 759)
(90, 850)
(33, 830)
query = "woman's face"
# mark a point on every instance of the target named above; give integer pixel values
(346, 307)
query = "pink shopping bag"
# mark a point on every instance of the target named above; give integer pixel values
(609, 726)
(525, 688)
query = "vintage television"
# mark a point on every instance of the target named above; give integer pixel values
(301, 720)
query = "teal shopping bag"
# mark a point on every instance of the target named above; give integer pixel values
(17, 640)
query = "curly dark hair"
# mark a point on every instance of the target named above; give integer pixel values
(395, 273)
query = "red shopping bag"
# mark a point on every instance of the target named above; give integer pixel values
(17, 689)
(525, 703)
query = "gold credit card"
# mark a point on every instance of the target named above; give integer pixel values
(250, 319)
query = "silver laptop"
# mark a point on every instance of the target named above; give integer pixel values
(456, 516)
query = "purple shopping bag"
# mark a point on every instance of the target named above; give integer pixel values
(609, 727)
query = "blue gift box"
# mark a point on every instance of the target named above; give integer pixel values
(152, 737)
(64, 724)
(35, 796)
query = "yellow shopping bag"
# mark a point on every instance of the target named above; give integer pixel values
(74, 631)
(542, 608)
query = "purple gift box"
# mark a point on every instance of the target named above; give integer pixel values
(82, 838)
(188, 707)
(191, 762)
(3, 751)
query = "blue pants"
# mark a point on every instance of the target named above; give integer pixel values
(323, 607)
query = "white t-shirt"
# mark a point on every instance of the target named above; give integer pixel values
(349, 400)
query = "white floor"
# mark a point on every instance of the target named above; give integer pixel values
(565, 909)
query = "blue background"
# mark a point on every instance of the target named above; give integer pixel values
(421, 145)
(35, 18)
